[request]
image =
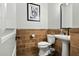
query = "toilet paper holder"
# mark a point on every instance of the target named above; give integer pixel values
(33, 35)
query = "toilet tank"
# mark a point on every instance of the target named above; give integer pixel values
(51, 38)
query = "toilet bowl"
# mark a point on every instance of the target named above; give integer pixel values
(44, 47)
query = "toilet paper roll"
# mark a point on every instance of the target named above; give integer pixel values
(33, 35)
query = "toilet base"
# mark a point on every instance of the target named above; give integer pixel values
(46, 51)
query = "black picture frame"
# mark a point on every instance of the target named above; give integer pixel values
(33, 12)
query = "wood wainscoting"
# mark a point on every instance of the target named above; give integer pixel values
(74, 42)
(26, 45)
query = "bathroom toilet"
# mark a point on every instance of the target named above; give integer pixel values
(45, 47)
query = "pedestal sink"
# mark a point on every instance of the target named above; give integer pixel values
(65, 43)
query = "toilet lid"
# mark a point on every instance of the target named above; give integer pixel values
(43, 43)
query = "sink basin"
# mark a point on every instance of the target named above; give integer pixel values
(63, 37)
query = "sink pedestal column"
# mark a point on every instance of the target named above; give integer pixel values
(65, 48)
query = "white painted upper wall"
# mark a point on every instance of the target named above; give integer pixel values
(49, 18)
(75, 16)
(53, 15)
(1, 10)
(7, 15)
(10, 17)
(21, 17)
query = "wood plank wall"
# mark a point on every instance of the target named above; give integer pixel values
(27, 46)
(74, 42)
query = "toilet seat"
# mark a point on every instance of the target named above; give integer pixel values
(43, 44)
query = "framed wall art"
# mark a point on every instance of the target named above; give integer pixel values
(33, 12)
